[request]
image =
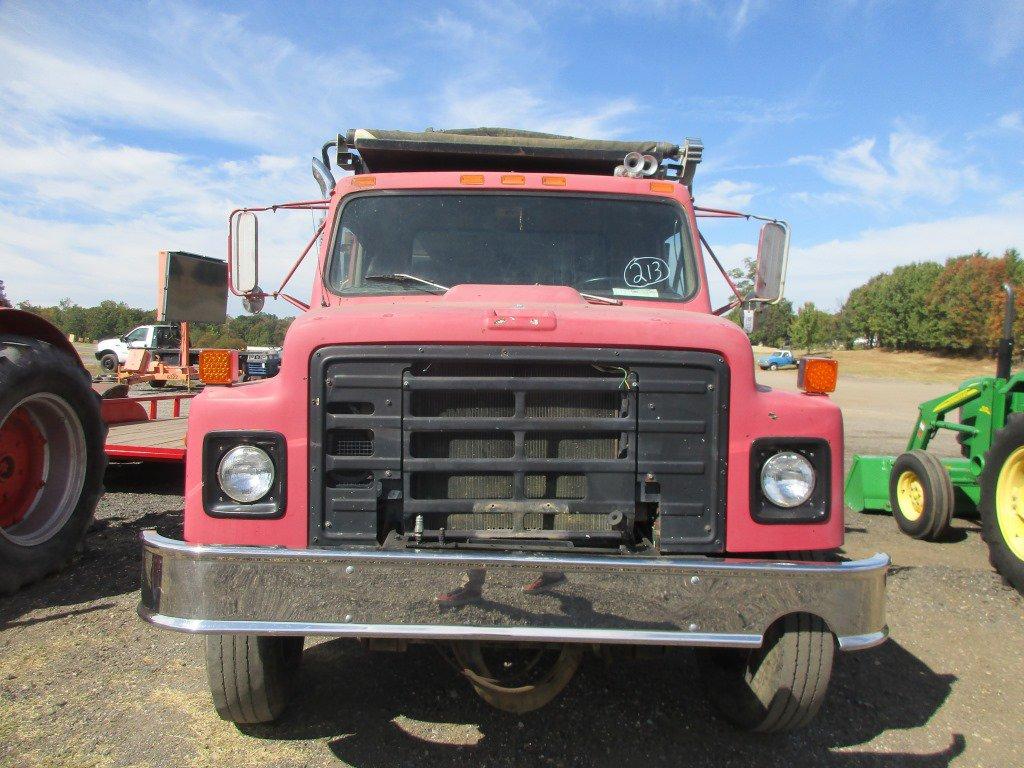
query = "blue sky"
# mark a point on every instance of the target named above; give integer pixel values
(885, 133)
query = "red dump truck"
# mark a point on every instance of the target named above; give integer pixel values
(510, 422)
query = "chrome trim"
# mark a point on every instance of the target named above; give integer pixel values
(696, 601)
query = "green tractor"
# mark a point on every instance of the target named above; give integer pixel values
(923, 492)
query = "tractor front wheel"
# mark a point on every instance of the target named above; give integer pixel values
(1002, 502)
(51, 459)
(921, 495)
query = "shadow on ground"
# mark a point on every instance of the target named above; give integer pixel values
(378, 710)
(110, 563)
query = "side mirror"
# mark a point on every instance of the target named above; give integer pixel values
(244, 252)
(772, 259)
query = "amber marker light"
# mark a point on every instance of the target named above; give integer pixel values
(364, 181)
(513, 178)
(817, 375)
(218, 366)
(471, 178)
(663, 187)
(553, 181)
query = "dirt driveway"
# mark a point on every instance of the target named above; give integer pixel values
(84, 683)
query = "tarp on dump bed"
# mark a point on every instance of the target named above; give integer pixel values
(481, 149)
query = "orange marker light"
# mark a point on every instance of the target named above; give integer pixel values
(553, 181)
(513, 178)
(664, 187)
(817, 375)
(471, 178)
(364, 181)
(218, 366)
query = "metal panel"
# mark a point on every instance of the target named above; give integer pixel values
(631, 435)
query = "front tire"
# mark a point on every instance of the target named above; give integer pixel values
(109, 362)
(777, 687)
(251, 675)
(921, 495)
(1002, 502)
(773, 367)
(52, 459)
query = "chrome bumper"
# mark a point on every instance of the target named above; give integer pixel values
(444, 595)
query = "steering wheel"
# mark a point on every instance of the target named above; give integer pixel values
(593, 280)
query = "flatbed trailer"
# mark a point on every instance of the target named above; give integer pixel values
(138, 431)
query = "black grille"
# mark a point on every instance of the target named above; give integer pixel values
(574, 447)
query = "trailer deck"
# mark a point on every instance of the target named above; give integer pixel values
(147, 428)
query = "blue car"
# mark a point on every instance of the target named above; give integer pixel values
(780, 358)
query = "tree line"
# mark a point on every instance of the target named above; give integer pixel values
(952, 307)
(115, 318)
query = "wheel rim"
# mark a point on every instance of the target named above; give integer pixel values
(910, 495)
(42, 468)
(1010, 502)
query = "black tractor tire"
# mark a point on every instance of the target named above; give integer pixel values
(109, 362)
(777, 687)
(251, 676)
(1006, 556)
(926, 515)
(43, 387)
(157, 383)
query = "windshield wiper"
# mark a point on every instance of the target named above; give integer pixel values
(594, 299)
(400, 277)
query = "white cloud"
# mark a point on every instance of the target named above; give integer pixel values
(725, 193)
(912, 166)
(826, 272)
(1011, 121)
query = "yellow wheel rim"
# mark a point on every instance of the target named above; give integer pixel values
(910, 495)
(1010, 502)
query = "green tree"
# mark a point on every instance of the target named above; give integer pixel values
(812, 327)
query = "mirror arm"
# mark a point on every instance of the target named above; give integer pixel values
(732, 285)
(295, 302)
(298, 261)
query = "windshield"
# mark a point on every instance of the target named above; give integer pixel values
(417, 243)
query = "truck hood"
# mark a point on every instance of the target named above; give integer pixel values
(512, 314)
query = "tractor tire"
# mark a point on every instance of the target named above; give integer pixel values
(52, 459)
(777, 687)
(157, 383)
(109, 362)
(921, 495)
(1002, 502)
(251, 676)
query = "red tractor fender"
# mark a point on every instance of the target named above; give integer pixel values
(22, 323)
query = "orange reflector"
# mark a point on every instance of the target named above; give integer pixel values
(218, 366)
(553, 181)
(817, 375)
(364, 181)
(664, 187)
(513, 178)
(472, 178)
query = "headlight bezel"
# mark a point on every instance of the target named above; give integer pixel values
(216, 503)
(817, 508)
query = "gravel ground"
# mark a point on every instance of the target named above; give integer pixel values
(84, 683)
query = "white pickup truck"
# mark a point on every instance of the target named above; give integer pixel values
(113, 352)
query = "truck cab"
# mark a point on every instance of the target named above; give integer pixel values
(510, 422)
(780, 358)
(114, 351)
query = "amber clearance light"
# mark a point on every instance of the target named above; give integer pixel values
(218, 366)
(817, 375)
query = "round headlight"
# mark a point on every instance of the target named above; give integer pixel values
(246, 473)
(787, 479)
